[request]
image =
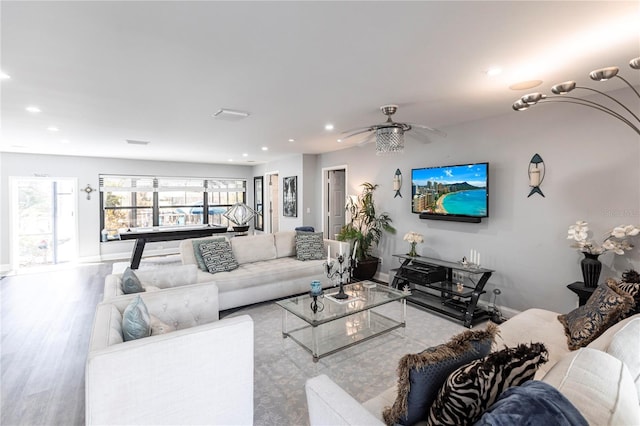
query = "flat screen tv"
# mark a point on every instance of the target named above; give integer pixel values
(457, 193)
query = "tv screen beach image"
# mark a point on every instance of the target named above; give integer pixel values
(451, 190)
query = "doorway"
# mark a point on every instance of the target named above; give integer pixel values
(273, 213)
(44, 221)
(334, 200)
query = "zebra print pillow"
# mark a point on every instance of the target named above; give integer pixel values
(474, 387)
(633, 289)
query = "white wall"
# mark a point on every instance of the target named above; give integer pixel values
(593, 173)
(86, 170)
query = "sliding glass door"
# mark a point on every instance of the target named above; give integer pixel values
(44, 226)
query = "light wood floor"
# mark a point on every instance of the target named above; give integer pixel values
(46, 324)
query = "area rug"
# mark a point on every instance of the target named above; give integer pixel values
(282, 367)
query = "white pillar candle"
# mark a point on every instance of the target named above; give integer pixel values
(340, 249)
(355, 247)
(478, 262)
(328, 254)
(534, 177)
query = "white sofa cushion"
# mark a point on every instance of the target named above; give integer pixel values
(625, 346)
(253, 248)
(285, 243)
(598, 385)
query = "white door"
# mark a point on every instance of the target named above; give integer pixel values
(335, 202)
(44, 221)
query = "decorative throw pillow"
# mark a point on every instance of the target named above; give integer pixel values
(537, 402)
(130, 282)
(472, 388)
(633, 290)
(218, 257)
(420, 376)
(198, 254)
(136, 322)
(603, 309)
(309, 246)
(160, 327)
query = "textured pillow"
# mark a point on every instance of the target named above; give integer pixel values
(534, 402)
(472, 388)
(130, 282)
(309, 246)
(624, 346)
(160, 327)
(603, 309)
(421, 375)
(218, 257)
(136, 322)
(198, 254)
(633, 290)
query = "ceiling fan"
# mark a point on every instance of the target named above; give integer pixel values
(389, 136)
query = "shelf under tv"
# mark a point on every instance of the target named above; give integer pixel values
(450, 218)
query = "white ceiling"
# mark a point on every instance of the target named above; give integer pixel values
(104, 72)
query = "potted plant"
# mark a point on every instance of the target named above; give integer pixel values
(365, 230)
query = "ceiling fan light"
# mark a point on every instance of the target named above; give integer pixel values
(635, 63)
(563, 88)
(604, 74)
(389, 140)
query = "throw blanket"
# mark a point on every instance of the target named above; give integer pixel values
(531, 404)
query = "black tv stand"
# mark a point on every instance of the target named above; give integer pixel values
(433, 287)
(450, 218)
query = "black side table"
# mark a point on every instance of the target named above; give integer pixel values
(584, 293)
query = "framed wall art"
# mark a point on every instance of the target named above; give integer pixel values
(290, 196)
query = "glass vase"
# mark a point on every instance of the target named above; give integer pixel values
(413, 252)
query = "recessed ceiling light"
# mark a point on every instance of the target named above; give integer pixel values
(244, 154)
(230, 160)
(52, 129)
(292, 140)
(264, 148)
(230, 114)
(328, 126)
(340, 140)
(135, 142)
(4, 76)
(64, 140)
(34, 109)
(493, 71)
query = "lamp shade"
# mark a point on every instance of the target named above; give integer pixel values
(604, 74)
(563, 88)
(240, 214)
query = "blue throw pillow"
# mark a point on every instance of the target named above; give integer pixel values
(421, 375)
(136, 322)
(532, 403)
(130, 282)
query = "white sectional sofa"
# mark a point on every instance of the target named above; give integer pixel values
(604, 388)
(181, 377)
(268, 269)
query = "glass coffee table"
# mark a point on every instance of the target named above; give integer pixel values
(331, 324)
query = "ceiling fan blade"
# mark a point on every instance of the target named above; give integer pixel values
(367, 140)
(354, 132)
(431, 129)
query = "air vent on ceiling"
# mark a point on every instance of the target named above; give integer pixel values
(230, 114)
(135, 142)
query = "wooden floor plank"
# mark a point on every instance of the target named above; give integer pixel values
(46, 320)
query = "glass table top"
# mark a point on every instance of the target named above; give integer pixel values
(361, 298)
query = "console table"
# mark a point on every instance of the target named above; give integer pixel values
(583, 292)
(449, 288)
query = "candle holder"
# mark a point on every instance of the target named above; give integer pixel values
(344, 268)
(315, 305)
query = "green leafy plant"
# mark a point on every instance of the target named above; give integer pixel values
(366, 226)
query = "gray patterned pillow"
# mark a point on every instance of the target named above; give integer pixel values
(198, 253)
(309, 246)
(130, 282)
(603, 309)
(218, 257)
(136, 322)
(470, 390)
(421, 375)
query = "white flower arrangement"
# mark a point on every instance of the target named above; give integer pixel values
(413, 237)
(615, 241)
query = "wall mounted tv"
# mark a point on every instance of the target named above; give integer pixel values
(456, 193)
